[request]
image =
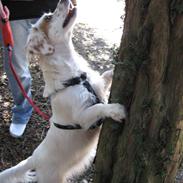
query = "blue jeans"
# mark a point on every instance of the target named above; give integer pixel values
(22, 110)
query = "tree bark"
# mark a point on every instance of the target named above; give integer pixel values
(148, 80)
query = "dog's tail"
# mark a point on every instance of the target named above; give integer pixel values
(19, 173)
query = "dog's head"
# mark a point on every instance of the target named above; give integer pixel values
(52, 29)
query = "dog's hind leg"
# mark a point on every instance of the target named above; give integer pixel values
(17, 173)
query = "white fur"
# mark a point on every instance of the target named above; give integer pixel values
(64, 151)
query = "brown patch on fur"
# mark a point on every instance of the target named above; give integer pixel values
(50, 49)
(38, 46)
(35, 28)
(31, 52)
(74, 2)
(44, 26)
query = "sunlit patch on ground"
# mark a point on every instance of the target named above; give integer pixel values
(105, 16)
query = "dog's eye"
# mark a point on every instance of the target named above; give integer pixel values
(48, 18)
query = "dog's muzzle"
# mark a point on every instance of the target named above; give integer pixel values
(72, 12)
(71, 5)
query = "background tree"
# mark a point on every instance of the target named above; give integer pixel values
(148, 80)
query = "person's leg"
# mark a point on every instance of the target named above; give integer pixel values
(22, 110)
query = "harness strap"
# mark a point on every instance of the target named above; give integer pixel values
(67, 127)
(96, 124)
(76, 81)
(86, 84)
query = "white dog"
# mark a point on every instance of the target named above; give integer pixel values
(78, 100)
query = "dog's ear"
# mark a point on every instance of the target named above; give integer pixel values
(38, 44)
(107, 77)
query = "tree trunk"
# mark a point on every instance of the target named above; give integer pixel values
(148, 80)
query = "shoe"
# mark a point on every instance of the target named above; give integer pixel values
(17, 130)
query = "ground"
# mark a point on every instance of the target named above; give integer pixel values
(98, 46)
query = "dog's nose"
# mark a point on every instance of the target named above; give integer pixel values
(74, 2)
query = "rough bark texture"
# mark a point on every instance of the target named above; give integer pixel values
(148, 80)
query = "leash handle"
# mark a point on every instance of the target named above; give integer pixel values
(7, 33)
(5, 25)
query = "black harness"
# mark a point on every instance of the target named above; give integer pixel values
(82, 79)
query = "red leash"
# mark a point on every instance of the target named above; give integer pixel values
(36, 108)
(9, 43)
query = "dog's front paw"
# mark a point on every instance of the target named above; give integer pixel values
(117, 112)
